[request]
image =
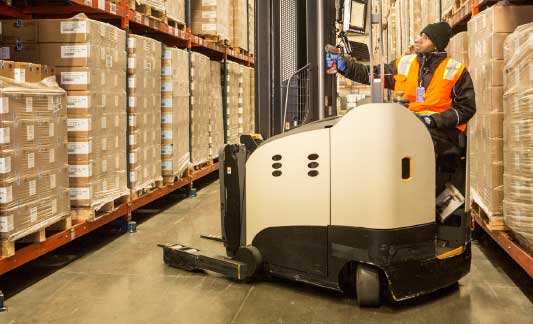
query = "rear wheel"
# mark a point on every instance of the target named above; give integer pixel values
(367, 286)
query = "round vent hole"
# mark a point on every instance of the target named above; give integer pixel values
(276, 165)
(312, 173)
(313, 165)
(276, 173)
(313, 157)
(276, 157)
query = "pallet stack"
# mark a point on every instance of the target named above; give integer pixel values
(144, 114)
(175, 154)
(175, 10)
(251, 27)
(252, 101)
(152, 8)
(240, 25)
(18, 40)
(233, 77)
(89, 56)
(216, 118)
(518, 130)
(458, 48)
(33, 157)
(486, 34)
(244, 101)
(200, 103)
(212, 19)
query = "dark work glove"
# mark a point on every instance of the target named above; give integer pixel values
(428, 121)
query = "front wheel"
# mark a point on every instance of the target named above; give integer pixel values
(367, 286)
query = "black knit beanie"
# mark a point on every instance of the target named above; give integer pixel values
(439, 33)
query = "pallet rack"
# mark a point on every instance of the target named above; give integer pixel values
(132, 22)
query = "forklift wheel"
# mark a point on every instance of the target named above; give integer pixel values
(252, 257)
(367, 286)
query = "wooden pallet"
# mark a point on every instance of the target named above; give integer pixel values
(148, 11)
(241, 51)
(216, 39)
(170, 180)
(202, 165)
(494, 222)
(94, 213)
(138, 193)
(176, 23)
(7, 247)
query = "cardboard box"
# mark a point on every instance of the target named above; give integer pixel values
(77, 54)
(17, 30)
(20, 52)
(501, 19)
(212, 18)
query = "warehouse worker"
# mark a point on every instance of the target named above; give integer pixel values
(439, 89)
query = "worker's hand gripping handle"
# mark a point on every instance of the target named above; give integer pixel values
(332, 50)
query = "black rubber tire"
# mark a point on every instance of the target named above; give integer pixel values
(367, 286)
(250, 255)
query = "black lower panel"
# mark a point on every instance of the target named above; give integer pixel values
(300, 248)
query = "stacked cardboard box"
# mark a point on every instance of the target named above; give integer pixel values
(392, 53)
(518, 133)
(233, 77)
(144, 112)
(251, 27)
(33, 155)
(216, 119)
(90, 60)
(18, 40)
(240, 24)
(159, 5)
(458, 48)
(212, 18)
(176, 10)
(200, 103)
(244, 102)
(486, 33)
(252, 101)
(174, 113)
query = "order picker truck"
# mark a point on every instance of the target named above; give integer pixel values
(347, 203)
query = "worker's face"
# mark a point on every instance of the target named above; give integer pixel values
(423, 44)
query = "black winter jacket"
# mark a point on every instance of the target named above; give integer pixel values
(463, 96)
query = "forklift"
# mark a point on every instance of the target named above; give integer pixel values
(355, 203)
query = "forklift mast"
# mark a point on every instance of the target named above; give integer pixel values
(292, 87)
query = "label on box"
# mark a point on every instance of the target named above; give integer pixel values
(166, 55)
(166, 134)
(5, 165)
(131, 42)
(104, 165)
(6, 195)
(131, 82)
(4, 53)
(51, 104)
(32, 187)
(209, 14)
(80, 193)
(132, 158)
(52, 154)
(166, 150)
(79, 171)
(166, 165)
(29, 104)
(104, 144)
(113, 8)
(20, 75)
(116, 142)
(166, 119)
(75, 78)
(132, 120)
(79, 124)
(209, 2)
(33, 214)
(6, 223)
(209, 27)
(147, 66)
(131, 138)
(51, 129)
(78, 102)
(53, 204)
(109, 61)
(133, 176)
(166, 103)
(104, 122)
(131, 102)
(131, 62)
(241, 100)
(166, 86)
(53, 181)
(30, 132)
(79, 147)
(75, 51)
(73, 27)
(4, 105)
(31, 160)
(166, 70)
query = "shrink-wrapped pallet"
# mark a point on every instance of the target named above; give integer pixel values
(212, 18)
(200, 103)
(458, 48)
(216, 120)
(176, 10)
(240, 24)
(233, 77)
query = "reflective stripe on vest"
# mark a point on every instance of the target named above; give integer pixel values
(451, 69)
(405, 64)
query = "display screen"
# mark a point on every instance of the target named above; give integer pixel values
(357, 15)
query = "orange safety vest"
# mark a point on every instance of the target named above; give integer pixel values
(438, 96)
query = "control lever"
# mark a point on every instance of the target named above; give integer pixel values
(401, 100)
(330, 49)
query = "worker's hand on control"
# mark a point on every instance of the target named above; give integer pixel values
(428, 121)
(331, 59)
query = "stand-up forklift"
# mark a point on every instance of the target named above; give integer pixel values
(347, 203)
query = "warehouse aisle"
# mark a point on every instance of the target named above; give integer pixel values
(113, 278)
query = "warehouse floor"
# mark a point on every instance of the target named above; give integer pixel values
(107, 277)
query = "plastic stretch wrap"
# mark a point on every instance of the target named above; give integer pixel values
(240, 24)
(212, 17)
(518, 128)
(233, 84)
(176, 9)
(144, 112)
(174, 112)
(33, 158)
(200, 106)
(216, 120)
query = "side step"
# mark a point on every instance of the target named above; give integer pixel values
(186, 258)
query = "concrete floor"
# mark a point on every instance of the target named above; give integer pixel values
(108, 277)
